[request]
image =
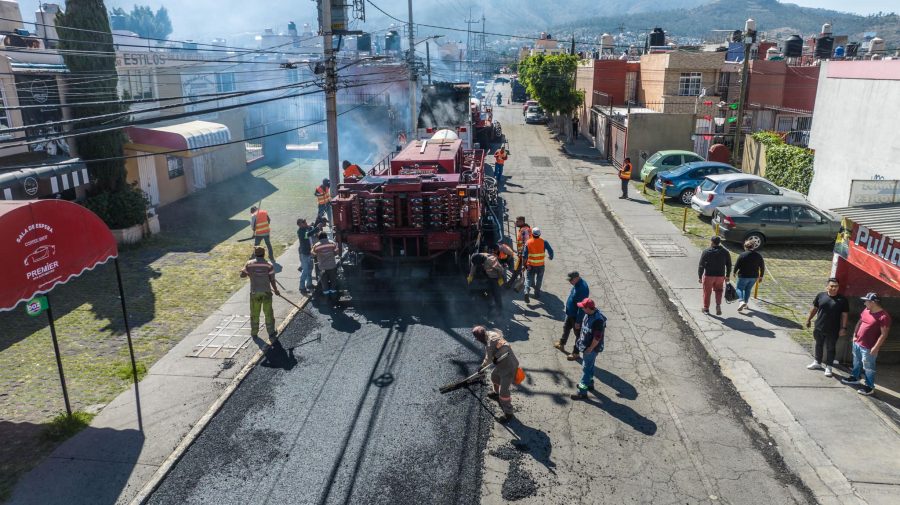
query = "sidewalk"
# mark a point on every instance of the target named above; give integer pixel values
(113, 459)
(581, 148)
(840, 444)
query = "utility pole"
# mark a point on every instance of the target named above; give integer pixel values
(428, 61)
(413, 103)
(748, 37)
(330, 97)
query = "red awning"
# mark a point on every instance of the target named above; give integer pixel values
(44, 243)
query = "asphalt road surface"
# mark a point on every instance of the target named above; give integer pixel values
(347, 411)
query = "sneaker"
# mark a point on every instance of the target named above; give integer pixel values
(573, 357)
(527, 298)
(851, 381)
(706, 311)
(866, 391)
(828, 372)
(815, 365)
(718, 310)
(742, 306)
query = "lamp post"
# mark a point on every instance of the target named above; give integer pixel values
(748, 37)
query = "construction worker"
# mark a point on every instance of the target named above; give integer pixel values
(523, 234)
(325, 252)
(500, 157)
(262, 285)
(260, 224)
(498, 352)
(506, 255)
(536, 250)
(323, 199)
(625, 176)
(352, 170)
(489, 266)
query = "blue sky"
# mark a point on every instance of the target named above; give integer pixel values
(204, 19)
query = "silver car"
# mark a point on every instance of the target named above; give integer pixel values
(726, 189)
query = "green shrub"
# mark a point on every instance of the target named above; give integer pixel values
(788, 166)
(120, 209)
(64, 426)
(124, 371)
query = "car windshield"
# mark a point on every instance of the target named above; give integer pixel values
(745, 206)
(653, 159)
(708, 185)
(535, 109)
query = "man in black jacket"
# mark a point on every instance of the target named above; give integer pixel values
(715, 267)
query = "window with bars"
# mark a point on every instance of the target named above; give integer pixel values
(175, 166)
(723, 85)
(225, 82)
(134, 85)
(689, 84)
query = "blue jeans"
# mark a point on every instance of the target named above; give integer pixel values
(863, 362)
(265, 238)
(744, 287)
(498, 171)
(534, 279)
(587, 377)
(306, 272)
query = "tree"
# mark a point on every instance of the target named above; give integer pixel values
(142, 21)
(550, 79)
(87, 46)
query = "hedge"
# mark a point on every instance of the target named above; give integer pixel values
(120, 209)
(788, 166)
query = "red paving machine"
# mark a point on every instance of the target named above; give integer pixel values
(414, 214)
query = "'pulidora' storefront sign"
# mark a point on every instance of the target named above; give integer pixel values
(874, 253)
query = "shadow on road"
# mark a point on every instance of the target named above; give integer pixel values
(623, 413)
(623, 388)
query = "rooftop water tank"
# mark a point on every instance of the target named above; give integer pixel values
(772, 53)
(826, 29)
(657, 37)
(392, 41)
(793, 47)
(607, 41)
(876, 46)
(824, 47)
(839, 52)
(364, 43)
(852, 49)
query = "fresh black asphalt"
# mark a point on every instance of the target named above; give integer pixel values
(346, 410)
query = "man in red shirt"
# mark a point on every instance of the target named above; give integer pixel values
(868, 337)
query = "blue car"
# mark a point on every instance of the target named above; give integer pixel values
(681, 182)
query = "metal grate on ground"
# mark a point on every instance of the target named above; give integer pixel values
(657, 246)
(230, 336)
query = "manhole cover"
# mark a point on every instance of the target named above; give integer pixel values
(540, 161)
(230, 336)
(660, 247)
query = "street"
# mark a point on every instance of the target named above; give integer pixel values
(351, 413)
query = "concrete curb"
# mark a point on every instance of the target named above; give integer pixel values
(797, 448)
(198, 428)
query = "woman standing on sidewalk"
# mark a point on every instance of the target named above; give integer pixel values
(748, 270)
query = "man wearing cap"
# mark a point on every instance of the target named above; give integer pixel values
(579, 291)
(498, 352)
(323, 199)
(325, 252)
(590, 344)
(262, 285)
(715, 267)
(870, 333)
(536, 249)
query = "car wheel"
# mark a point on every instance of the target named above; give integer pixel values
(686, 196)
(652, 183)
(715, 213)
(756, 239)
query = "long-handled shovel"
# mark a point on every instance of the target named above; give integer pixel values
(456, 385)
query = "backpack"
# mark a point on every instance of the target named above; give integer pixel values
(730, 293)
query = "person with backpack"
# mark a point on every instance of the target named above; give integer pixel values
(590, 344)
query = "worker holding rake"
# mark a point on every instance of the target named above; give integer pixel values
(506, 367)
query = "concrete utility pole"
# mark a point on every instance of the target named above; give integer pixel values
(413, 102)
(428, 61)
(748, 38)
(330, 97)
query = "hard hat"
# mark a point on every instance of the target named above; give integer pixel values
(536, 231)
(326, 181)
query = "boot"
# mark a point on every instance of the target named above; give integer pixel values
(574, 356)
(560, 345)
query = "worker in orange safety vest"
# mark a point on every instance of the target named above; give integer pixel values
(625, 176)
(260, 224)
(352, 170)
(536, 250)
(323, 199)
(523, 233)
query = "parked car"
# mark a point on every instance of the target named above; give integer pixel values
(528, 103)
(665, 160)
(765, 219)
(535, 115)
(722, 190)
(681, 182)
(501, 80)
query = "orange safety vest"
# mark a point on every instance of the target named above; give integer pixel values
(500, 156)
(353, 171)
(322, 196)
(262, 223)
(625, 173)
(522, 236)
(536, 252)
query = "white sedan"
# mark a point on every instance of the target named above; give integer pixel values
(725, 189)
